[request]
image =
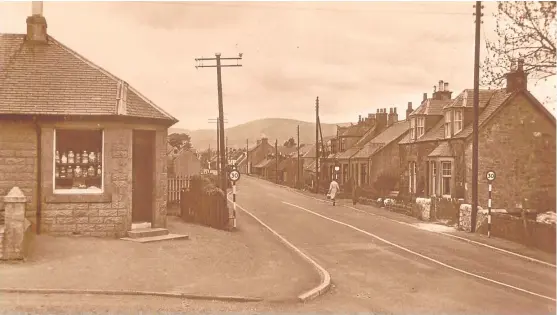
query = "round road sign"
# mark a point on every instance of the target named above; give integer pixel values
(234, 175)
(490, 176)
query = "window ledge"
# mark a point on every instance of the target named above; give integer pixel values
(78, 197)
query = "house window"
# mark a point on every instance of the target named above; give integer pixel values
(363, 174)
(345, 173)
(78, 161)
(433, 179)
(420, 128)
(412, 128)
(457, 121)
(446, 174)
(412, 177)
(447, 124)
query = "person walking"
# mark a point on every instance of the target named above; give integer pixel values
(333, 190)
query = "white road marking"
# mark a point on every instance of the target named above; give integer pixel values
(420, 255)
(446, 234)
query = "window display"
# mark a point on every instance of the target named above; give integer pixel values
(78, 161)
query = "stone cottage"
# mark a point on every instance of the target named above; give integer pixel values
(87, 150)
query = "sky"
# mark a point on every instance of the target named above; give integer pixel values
(357, 57)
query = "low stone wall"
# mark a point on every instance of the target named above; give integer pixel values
(421, 209)
(464, 222)
(511, 227)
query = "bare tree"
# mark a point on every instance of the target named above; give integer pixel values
(524, 30)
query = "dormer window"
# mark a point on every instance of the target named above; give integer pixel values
(412, 128)
(447, 124)
(420, 128)
(457, 121)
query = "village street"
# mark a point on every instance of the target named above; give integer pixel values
(369, 274)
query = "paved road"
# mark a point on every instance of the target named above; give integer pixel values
(413, 271)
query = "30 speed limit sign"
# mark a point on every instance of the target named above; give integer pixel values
(490, 176)
(234, 175)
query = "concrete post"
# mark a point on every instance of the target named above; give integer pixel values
(14, 225)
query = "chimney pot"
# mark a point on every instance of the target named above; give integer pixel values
(440, 85)
(378, 110)
(409, 105)
(394, 110)
(425, 96)
(446, 87)
(434, 88)
(520, 64)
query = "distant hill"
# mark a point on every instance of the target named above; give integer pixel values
(272, 128)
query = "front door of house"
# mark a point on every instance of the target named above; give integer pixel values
(143, 175)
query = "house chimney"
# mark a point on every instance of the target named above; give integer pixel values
(409, 110)
(381, 120)
(443, 92)
(517, 79)
(393, 116)
(264, 140)
(440, 85)
(446, 87)
(36, 23)
(258, 142)
(425, 97)
(359, 118)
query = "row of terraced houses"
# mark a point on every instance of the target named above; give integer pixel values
(430, 152)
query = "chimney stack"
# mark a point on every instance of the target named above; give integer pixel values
(393, 116)
(446, 87)
(520, 66)
(359, 118)
(425, 97)
(441, 85)
(409, 110)
(517, 79)
(443, 92)
(36, 23)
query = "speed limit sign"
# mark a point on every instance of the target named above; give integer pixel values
(490, 176)
(234, 175)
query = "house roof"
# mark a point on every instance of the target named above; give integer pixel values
(389, 135)
(497, 100)
(262, 163)
(286, 163)
(51, 79)
(310, 166)
(357, 130)
(347, 153)
(431, 107)
(466, 98)
(442, 150)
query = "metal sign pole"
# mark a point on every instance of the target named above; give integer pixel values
(490, 176)
(234, 204)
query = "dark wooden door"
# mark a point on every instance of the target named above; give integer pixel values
(143, 175)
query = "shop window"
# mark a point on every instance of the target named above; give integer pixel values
(446, 175)
(78, 161)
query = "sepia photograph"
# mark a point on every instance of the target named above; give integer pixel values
(278, 157)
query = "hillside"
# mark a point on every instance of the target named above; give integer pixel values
(272, 128)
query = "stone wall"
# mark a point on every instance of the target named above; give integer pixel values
(519, 145)
(18, 163)
(465, 222)
(422, 209)
(446, 209)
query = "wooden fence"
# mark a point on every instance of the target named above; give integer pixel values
(175, 185)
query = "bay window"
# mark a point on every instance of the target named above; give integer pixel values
(433, 179)
(420, 126)
(446, 176)
(448, 124)
(412, 128)
(412, 177)
(78, 161)
(457, 121)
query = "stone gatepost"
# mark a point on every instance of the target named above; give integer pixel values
(14, 225)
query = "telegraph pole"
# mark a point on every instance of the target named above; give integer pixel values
(247, 156)
(298, 168)
(475, 155)
(212, 121)
(223, 179)
(317, 145)
(277, 161)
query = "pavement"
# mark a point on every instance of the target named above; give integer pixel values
(249, 262)
(377, 264)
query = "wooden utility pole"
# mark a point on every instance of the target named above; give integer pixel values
(247, 156)
(276, 161)
(317, 145)
(475, 155)
(298, 164)
(223, 179)
(213, 121)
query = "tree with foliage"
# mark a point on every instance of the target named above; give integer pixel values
(180, 140)
(290, 143)
(526, 30)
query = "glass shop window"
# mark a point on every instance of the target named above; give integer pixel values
(78, 161)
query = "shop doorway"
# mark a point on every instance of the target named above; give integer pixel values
(143, 175)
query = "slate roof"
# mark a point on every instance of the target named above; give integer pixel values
(263, 163)
(51, 79)
(348, 153)
(357, 130)
(388, 135)
(431, 107)
(466, 98)
(442, 150)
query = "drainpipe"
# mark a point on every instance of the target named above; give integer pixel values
(39, 175)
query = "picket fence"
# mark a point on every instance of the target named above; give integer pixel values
(175, 185)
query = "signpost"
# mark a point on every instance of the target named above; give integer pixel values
(490, 176)
(234, 176)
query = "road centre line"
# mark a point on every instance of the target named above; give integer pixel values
(420, 255)
(446, 234)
